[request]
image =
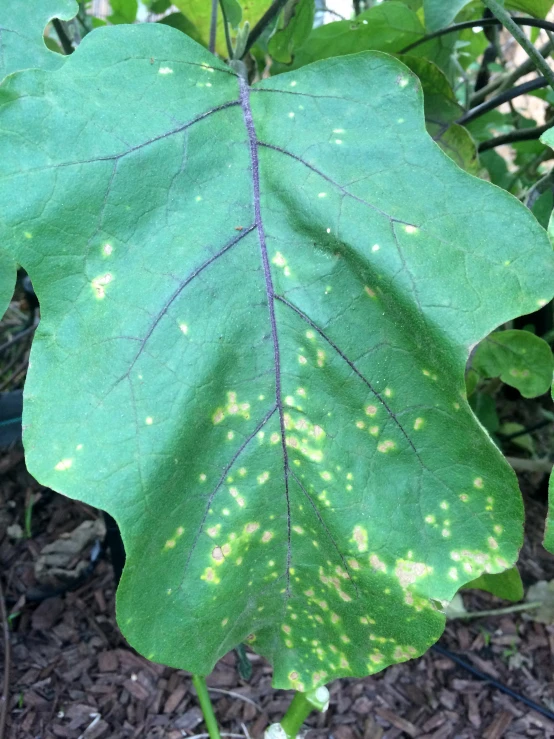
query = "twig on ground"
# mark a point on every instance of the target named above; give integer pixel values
(235, 695)
(7, 655)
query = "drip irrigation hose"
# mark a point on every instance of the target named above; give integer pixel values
(495, 683)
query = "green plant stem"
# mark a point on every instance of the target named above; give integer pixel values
(199, 683)
(504, 81)
(524, 134)
(509, 24)
(270, 14)
(300, 708)
(503, 97)
(226, 27)
(480, 23)
(64, 39)
(500, 611)
(213, 25)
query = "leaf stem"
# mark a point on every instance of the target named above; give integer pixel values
(524, 134)
(65, 41)
(480, 23)
(300, 708)
(503, 97)
(509, 24)
(226, 28)
(213, 25)
(503, 82)
(199, 683)
(270, 14)
(498, 611)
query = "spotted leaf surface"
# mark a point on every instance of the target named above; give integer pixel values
(259, 304)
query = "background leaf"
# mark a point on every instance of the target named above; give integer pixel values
(261, 315)
(388, 27)
(294, 28)
(123, 11)
(505, 585)
(521, 360)
(439, 13)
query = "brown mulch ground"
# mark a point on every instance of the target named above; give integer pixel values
(72, 674)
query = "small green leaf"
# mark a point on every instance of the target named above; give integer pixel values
(22, 25)
(440, 13)
(484, 407)
(536, 8)
(123, 11)
(441, 111)
(506, 585)
(199, 12)
(295, 26)
(233, 12)
(524, 441)
(183, 24)
(260, 303)
(521, 360)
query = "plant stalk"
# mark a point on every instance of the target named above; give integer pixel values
(480, 23)
(213, 26)
(510, 25)
(300, 708)
(270, 14)
(199, 683)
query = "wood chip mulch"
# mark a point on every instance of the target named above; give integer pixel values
(73, 675)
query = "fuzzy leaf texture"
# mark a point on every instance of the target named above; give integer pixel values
(260, 304)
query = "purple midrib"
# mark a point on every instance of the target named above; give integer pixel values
(270, 292)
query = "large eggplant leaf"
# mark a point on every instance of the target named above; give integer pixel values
(259, 305)
(22, 27)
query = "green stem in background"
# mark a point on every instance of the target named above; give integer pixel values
(226, 28)
(268, 17)
(524, 134)
(505, 81)
(64, 39)
(199, 683)
(481, 23)
(213, 25)
(300, 708)
(510, 25)
(498, 611)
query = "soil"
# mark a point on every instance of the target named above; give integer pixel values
(72, 674)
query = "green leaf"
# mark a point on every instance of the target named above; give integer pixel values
(484, 407)
(521, 360)
(200, 13)
(260, 306)
(536, 8)
(441, 111)
(233, 12)
(22, 27)
(439, 13)
(524, 441)
(388, 27)
(506, 585)
(294, 28)
(123, 11)
(183, 24)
